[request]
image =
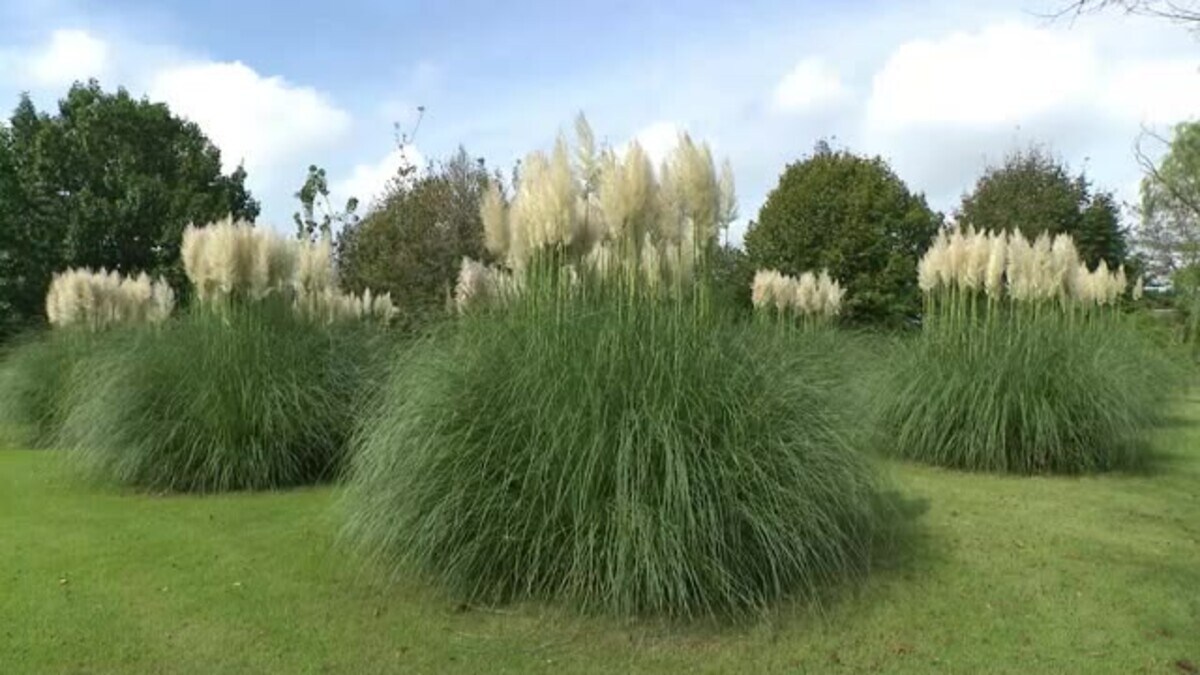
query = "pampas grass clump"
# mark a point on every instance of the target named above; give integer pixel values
(604, 436)
(256, 387)
(1025, 363)
(253, 398)
(35, 372)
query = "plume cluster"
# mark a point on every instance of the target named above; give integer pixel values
(1002, 264)
(236, 260)
(229, 258)
(481, 285)
(100, 299)
(815, 295)
(608, 209)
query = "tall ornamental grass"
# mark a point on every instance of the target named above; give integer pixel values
(593, 430)
(36, 370)
(1025, 363)
(255, 387)
(254, 398)
(34, 374)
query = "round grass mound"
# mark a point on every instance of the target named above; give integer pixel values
(627, 458)
(1039, 398)
(253, 398)
(35, 373)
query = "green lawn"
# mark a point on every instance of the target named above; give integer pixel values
(1015, 575)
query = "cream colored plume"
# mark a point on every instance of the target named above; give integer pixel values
(817, 295)
(97, 300)
(480, 286)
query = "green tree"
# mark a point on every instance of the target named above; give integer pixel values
(732, 275)
(108, 181)
(412, 241)
(853, 216)
(1033, 192)
(1169, 232)
(317, 217)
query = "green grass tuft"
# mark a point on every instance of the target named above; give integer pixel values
(629, 455)
(1027, 396)
(35, 373)
(252, 398)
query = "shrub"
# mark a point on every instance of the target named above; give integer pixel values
(1024, 364)
(593, 429)
(253, 398)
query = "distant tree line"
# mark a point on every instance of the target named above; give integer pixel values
(107, 180)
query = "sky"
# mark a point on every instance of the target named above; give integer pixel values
(940, 88)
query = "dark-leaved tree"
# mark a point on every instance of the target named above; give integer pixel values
(1033, 192)
(853, 216)
(107, 181)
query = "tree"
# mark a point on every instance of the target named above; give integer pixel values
(10, 260)
(853, 216)
(1169, 233)
(109, 181)
(1186, 12)
(314, 202)
(412, 242)
(732, 274)
(1033, 192)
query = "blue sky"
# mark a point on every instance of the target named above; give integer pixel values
(940, 87)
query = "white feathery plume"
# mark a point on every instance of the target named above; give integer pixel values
(993, 277)
(956, 260)
(974, 270)
(101, 299)
(930, 274)
(1020, 269)
(494, 214)
(807, 300)
(1065, 259)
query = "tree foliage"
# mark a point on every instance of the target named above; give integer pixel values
(107, 181)
(317, 217)
(412, 241)
(1033, 192)
(1169, 232)
(853, 216)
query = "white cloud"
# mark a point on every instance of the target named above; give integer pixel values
(66, 56)
(1155, 92)
(71, 55)
(658, 140)
(263, 121)
(812, 84)
(368, 181)
(1004, 74)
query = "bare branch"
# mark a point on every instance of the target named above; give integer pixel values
(1179, 11)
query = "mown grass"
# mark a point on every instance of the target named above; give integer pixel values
(1007, 574)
